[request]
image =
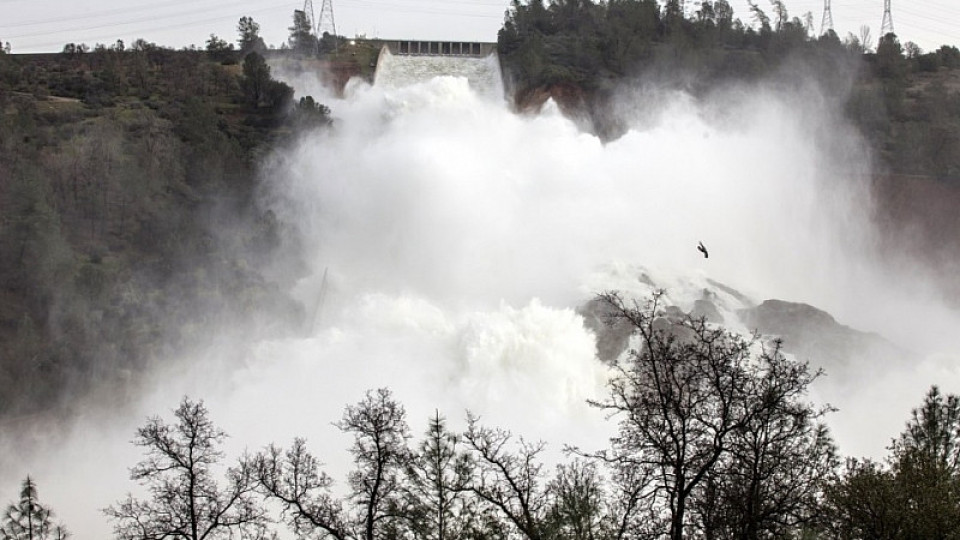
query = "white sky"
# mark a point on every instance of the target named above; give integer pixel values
(46, 25)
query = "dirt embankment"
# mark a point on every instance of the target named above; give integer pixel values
(571, 99)
(589, 109)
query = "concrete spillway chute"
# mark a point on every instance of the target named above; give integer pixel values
(402, 63)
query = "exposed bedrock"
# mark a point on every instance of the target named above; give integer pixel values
(808, 333)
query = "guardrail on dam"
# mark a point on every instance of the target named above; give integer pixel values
(440, 48)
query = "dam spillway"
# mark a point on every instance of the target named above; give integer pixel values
(442, 48)
(402, 63)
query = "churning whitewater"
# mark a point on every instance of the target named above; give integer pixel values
(446, 243)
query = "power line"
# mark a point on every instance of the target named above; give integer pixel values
(954, 37)
(218, 7)
(927, 17)
(382, 6)
(134, 9)
(95, 14)
(464, 2)
(929, 21)
(145, 30)
(924, 23)
(134, 27)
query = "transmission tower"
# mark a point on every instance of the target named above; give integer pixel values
(826, 24)
(311, 17)
(326, 22)
(887, 26)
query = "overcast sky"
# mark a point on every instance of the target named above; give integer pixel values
(46, 25)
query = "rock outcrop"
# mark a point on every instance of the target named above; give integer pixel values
(809, 333)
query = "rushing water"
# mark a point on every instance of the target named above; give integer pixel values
(447, 242)
(482, 73)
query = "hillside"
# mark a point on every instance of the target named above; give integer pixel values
(116, 165)
(905, 102)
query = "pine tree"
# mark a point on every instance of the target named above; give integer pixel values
(439, 476)
(28, 519)
(249, 39)
(302, 39)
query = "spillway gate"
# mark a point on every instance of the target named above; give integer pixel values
(440, 48)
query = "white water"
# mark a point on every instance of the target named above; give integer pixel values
(482, 74)
(459, 237)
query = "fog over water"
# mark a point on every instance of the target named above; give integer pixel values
(458, 237)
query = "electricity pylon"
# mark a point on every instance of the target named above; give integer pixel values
(326, 21)
(887, 26)
(826, 24)
(311, 17)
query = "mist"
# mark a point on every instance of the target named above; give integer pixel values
(443, 243)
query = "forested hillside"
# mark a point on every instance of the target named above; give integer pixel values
(906, 102)
(115, 166)
(130, 231)
(116, 161)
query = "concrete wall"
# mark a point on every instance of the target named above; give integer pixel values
(439, 48)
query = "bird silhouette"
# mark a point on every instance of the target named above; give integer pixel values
(703, 250)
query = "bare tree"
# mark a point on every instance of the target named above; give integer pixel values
(578, 507)
(630, 509)
(380, 453)
(689, 398)
(380, 433)
(866, 40)
(186, 501)
(509, 482)
(295, 480)
(770, 482)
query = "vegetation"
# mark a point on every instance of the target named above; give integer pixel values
(29, 519)
(250, 40)
(117, 160)
(185, 499)
(916, 493)
(118, 165)
(578, 50)
(715, 440)
(302, 39)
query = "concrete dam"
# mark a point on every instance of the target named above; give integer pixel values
(405, 62)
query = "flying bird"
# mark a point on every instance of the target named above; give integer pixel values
(703, 250)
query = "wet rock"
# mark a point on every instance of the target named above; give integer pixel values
(673, 312)
(613, 333)
(815, 336)
(707, 310)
